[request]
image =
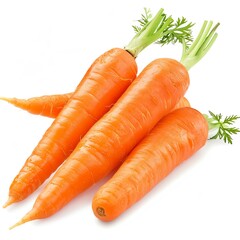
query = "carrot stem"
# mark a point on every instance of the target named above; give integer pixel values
(161, 29)
(201, 45)
(149, 33)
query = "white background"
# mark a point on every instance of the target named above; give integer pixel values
(46, 47)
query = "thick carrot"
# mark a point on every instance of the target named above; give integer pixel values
(105, 81)
(47, 105)
(153, 94)
(174, 139)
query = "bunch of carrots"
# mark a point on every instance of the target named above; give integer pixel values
(148, 131)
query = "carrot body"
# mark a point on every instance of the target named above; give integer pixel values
(48, 105)
(152, 95)
(174, 139)
(102, 85)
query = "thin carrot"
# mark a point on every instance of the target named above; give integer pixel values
(173, 140)
(47, 105)
(152, 95)
(105, 81)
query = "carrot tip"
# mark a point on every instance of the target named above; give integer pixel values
(17, 224)
(5, 99)
(9, 202)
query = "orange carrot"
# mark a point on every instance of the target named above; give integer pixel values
(153, 94)
(47, 105)
(174, 139)
(105, 81)
(103, 84)
(51, 105)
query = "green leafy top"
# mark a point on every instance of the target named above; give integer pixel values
(175, 32)
(222, 126)
(145, 18)
(160, 29)
(178, 31)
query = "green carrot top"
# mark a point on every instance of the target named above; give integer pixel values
(221, 128)
(160, 29)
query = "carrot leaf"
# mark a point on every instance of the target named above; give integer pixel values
(200, 46)
(145, 18)
(178, 31)
(161, 29)
(222, 126)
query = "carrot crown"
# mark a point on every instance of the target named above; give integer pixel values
(201, 45)
(160, 29)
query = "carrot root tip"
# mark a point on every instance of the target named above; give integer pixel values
(5, 99)
(9, 202)
(101, 211)
(17, 224)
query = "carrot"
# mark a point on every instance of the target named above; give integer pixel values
(105, 81)
(47, 105)
(174, 139)
(152, 95)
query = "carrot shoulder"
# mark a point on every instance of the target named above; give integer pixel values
(174, 139)
(47, 105)
(105, 81)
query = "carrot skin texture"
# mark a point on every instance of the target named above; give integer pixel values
(102, 85)
(152, 95)
(47, 105)
(174, 139)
